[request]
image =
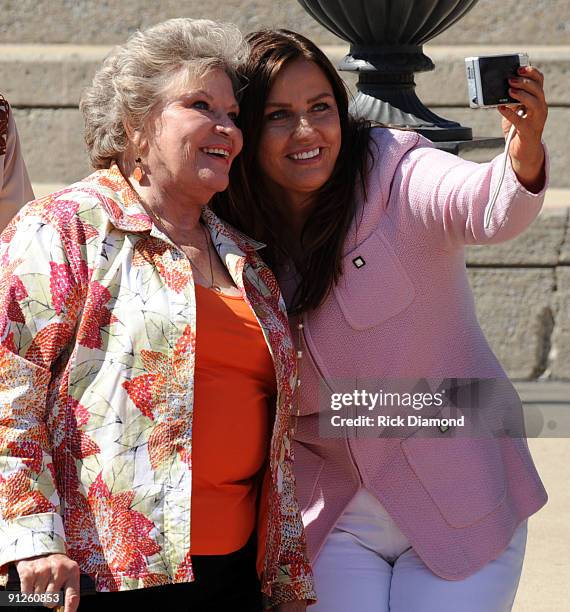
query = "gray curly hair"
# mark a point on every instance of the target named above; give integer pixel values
(135, 75)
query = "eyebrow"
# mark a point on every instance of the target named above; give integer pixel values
(325, 94)
(195, 92)
(201, 92)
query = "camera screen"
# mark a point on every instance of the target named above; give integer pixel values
(494, 74)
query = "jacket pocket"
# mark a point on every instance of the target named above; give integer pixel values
(308, 467)
(374, 285)
(464, 476)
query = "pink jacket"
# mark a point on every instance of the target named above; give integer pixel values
(409, 312)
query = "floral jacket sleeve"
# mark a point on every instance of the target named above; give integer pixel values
(97, 336)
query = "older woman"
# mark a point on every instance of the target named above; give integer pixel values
(366, 229)
(146, 363)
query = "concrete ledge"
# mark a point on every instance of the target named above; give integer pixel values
(487, 122)
(54, 75)
(448, 81)
(514, 308)
(557, 198)
(447, 84)
(559, 359)
(48, 75)
(52, 144)
(540, 245)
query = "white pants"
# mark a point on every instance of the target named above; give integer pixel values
(368, 565)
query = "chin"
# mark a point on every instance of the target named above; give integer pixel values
(311, 187)
(221, 186)
(312, 183)
(214, 185)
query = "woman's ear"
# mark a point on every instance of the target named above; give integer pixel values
(138, 141)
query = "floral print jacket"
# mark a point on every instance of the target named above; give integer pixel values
(97, 332)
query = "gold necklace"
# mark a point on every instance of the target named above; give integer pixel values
(162, 228)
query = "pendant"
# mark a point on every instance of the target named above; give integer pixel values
(216, 288)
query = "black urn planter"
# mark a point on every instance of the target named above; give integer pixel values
(386, 38)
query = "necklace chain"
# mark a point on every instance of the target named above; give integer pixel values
(299, 356)
(213, 285)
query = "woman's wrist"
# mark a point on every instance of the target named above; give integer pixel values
(531, 174)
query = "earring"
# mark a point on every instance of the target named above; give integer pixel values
(138, 172)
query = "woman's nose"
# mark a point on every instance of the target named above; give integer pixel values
(231, 131)
(304, 126)
(226, 125)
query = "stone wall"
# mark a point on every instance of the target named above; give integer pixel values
(101, 22)
(522, 293)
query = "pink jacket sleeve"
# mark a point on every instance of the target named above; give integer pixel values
(15, 187)
(442, 198)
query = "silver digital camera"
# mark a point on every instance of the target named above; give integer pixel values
(487, 78)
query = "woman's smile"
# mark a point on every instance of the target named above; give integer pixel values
(306, 157)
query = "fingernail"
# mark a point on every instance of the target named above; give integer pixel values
(522, 69)
(514, 80)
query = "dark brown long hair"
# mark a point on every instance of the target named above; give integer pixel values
(247, 204)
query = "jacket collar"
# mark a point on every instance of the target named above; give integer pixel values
(226, 237)
(126, 212)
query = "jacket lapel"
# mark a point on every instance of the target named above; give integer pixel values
(261, 291)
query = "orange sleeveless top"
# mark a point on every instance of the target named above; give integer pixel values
(233, 381)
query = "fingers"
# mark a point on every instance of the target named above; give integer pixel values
(58, 578)
(510, 114)
(527, 88)
(51, 574)
(65, 575)
(528, 91)
(526, 94)
(72, 592)
(27, 576)
(42, 580)
(530, 86)
(532, 73)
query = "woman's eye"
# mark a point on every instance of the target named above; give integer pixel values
(233, 117)
(276, 115)
(201, 105)
(321, 106)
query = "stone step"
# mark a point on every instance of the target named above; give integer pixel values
(556, 199)
(546, 408)
(447, 85)
(44, 83)
(90, 22)
(54, 75)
